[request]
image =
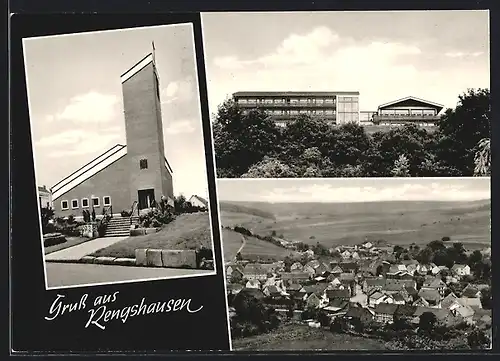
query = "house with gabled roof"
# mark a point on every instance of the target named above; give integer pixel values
(408, 110)
(253, 284)
(255, 271)
(272, 291)
(384, 312)
(295, 277)
(363, 314)
(460, 270)
(342, 294)
(234, 288)
(420, 302)
(474, 302)
(336, 271)
(471, 291)
(373, 283)
(197, 201)
(435, 283)
(433, 297)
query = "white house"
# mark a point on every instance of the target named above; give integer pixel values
(197, 201)
(461, 270)
(45, 197)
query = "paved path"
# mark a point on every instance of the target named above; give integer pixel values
(79, 274)
(83, 249)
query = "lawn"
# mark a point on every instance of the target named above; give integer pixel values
(70, 242)
(295, 337)
(401, 223)
(232, 241)
(186, 232)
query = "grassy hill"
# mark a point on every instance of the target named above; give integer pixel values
(241, 208)
(232, 241)
(187, 231)
(398, 222)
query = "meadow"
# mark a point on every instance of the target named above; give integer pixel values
(295, 337)
(397, 222)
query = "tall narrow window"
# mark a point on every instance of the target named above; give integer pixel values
(64, 205)
(157, 84)
(74, 204)
(106, 200)
(143, 164)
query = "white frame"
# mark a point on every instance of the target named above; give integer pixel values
(64, 208)
(104, 202)
(88, 204)
(98, 202)
(77, 204)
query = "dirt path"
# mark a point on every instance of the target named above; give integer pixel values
(244, 242)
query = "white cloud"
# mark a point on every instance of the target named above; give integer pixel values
(92, 107)
(459, 54)
(403, 192)
(180, 126)
(320, 60)
(178, 91)
(78, 142)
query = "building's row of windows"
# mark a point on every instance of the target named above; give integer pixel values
(302, 111)
(414, 112)
(75, 204)
(269, 101)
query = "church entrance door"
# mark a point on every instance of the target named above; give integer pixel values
(146, 198)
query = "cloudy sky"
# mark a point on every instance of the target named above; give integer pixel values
(434, 55)
(76, 106)
(345, 190)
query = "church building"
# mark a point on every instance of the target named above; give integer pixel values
(125, 177)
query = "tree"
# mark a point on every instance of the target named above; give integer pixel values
(425, 256)
(270, 168)
(427, 322)
(482, 158)
(46, 215)
(461, 129)
(486, 298)
(380, 269)
(287, 263)
(401, 167)
(238, 256)
(475, 258)
(478, 339)
(436, 245)
(242, 139)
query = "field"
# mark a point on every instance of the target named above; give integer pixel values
(187, 231)
(233, 241)
(398, 222)
(301, 337)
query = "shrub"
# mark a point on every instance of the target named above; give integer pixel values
(52, 239)
(126, 213)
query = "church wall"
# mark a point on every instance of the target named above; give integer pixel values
(143, 133)
(112, 181)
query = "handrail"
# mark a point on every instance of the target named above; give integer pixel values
(108, 211)
(132, 209)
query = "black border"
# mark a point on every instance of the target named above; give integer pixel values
(157, 6)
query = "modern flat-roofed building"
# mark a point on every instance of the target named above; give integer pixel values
(408, 110)
(335, 107)
(125, 176)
